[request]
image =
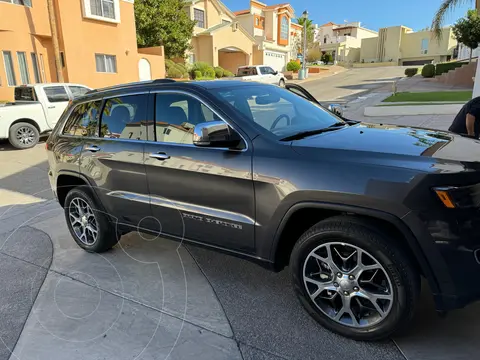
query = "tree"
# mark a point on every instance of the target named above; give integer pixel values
(467, 30)
(445, 7)
(310, 32)
(313, 55)
(164, 22)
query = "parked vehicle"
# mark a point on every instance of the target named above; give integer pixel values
(359, 212)
(35, 111)
(261, 73)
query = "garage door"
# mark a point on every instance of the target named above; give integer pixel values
(275, 59)
(417, 62)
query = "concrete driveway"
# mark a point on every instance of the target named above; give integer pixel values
(151, 298)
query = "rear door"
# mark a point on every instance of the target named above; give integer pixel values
(113, 158)
(198, 193)
(56, 101)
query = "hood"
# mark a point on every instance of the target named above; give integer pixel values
(397, 140)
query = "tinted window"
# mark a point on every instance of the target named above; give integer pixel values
(247, 71)
(264, 70)
(176, 116)
(277, 110)
(56, 93)
(83, 120)
(125, 118)
(25, 93)
(78, 90)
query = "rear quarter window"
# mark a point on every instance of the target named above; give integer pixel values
(25, 93)
(83, 120)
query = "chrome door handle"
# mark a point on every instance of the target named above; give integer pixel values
(92, 148)
(159, 156)
(51, 107)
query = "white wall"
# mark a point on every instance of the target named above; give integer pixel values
(464, 52)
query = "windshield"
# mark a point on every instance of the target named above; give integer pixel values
(277, 110)
(25, 93)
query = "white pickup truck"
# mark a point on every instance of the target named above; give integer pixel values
(35, 111)
(261, 73)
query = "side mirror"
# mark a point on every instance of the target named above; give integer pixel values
(337, 109)
(215, 134)
(275, 73)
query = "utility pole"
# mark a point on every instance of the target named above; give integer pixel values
(305, 16)
(56, 49)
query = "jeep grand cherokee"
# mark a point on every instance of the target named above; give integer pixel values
(358, 212)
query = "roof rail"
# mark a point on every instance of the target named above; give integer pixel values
(119, 86)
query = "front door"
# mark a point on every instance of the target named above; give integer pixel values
(301, 91)
(201, 194)
(113, 159)
(56, 102)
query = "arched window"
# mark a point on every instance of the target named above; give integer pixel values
(284, 28)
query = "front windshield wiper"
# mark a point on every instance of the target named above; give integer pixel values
(304, 134)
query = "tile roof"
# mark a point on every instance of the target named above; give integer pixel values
(328, 24)
(242, 12)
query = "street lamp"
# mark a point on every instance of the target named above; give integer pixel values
(305, 17)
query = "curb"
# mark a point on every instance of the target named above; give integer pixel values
(320, 77)
(449, 109)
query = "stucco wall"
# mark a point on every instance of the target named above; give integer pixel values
(368, 50)
(412, 44)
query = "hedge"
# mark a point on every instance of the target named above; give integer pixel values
(411, 72)
(428, 71)
(446, 67)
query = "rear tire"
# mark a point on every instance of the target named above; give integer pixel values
(23, 135)
(89, 226)
(366, 300)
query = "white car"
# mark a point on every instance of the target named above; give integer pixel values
(35, 111)
(261, 73)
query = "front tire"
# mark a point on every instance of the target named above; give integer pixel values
(90, 227)
(353, 279)
(23, 135)
(281, 83)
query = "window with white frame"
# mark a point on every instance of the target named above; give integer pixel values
(106, 10)
(23, 66)
(8, 62)
(424, 48)
(199, 17)
(106, 63)
(19, 2)
(284, 28)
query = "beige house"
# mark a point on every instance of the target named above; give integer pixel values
(342, 41)
(218, 38)
(277, 37)
(402, 46)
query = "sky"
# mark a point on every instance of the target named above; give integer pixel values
(373, 14)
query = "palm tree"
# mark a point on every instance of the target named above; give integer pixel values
(310, 39)
(445, 6)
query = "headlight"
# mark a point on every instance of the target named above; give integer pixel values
(459, 197)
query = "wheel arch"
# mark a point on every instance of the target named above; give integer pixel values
(301, 216)
(25, 120)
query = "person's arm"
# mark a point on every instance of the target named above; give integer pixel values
(471, 125)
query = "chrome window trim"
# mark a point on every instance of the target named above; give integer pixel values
(209, 108)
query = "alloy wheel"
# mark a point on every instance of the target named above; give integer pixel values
(83, 221)
(348, 284)
(25, 135)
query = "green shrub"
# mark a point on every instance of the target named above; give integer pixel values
(228, 73)
(174, 73)
(446, 67)
(294, 66)
(219, 72)
(197, 74)
(168, 64)
(428, 71)
(209, 73)
(327, 58)
(411, 72)
(182, 69)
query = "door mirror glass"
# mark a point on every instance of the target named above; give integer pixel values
(215, 134)
(336, 109)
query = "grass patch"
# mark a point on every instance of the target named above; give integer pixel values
(430, 96)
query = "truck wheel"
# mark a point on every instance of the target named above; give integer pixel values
(23, 135)
(91, 228)
(353, 279)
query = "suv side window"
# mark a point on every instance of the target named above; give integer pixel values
(176, 116)
(56, 93)
(77, 90)
(124, 117)
(83, 120)
(264, 70)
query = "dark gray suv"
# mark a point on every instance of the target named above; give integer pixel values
(359, 212)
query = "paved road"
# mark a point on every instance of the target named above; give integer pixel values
(349, 84)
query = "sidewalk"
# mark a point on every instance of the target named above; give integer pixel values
(333, 70)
